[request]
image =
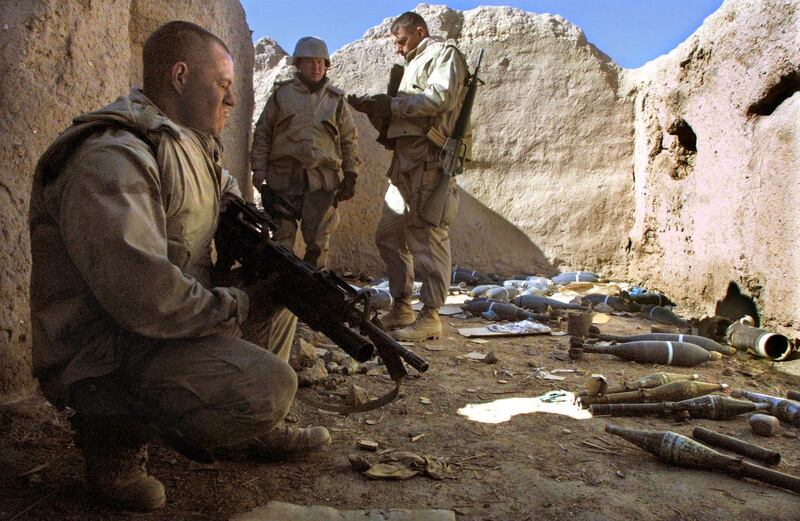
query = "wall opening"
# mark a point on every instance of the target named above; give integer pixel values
(777, 94)
(683, 148)
(734, 305)
(686, 136)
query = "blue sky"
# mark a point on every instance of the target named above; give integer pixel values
(632, 32)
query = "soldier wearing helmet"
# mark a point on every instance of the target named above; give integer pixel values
(305, 148)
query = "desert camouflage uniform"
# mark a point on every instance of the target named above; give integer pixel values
(423, 115)
(306, 142)
(126, 322)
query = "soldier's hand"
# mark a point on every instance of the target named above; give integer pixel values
(360, 103)
(259, 176)
(263, 304)
(382, 104)
(348, 188)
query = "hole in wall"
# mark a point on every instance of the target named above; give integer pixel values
(786, 87)
(683, 149)
(686, 136)
(734, 305)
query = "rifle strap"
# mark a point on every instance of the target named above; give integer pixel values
(369, 406)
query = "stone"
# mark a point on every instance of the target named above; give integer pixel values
(765, 425)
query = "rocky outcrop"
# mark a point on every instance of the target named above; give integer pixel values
(58, 59)
(552, 170)
(717, 164)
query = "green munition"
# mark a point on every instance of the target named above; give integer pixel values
(710, 407)
(657, 352)
(670, 392)
(650, 381)
(675, 449)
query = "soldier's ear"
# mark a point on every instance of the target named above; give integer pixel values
(179, 76)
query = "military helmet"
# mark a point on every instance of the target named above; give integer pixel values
(311, 47)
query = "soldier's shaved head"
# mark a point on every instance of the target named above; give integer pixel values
(173, 42)
(408, 21)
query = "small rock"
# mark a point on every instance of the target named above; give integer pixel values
(765, 425)
(424, 401)
(356, 395)
(728, 371)
(491, 358)
(306, 354)
(789, 434)
(311, 375)
(620, 474)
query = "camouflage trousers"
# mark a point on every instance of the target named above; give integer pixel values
(318, 220)
(214, 391)
(407, 243)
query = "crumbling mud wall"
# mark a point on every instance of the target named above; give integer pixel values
(551, 180)
(58, 59)
(717, 164)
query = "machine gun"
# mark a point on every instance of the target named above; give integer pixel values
(454, 152)
(319, 298)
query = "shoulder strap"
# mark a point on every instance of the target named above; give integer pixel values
(52, 161)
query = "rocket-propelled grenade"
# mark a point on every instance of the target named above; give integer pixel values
(784, 410)
(710, 407)
(649, 381)
(675, 449)
(671, 392)
(751, 450)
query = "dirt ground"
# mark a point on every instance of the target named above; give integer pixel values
(535, 466)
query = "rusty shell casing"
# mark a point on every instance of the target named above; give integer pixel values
(663, 316)
(656, 352)
(759, 341)
(651, 380)
(675, 449)
(784, 410)
(705, 343)
(715, 407)
(793, 395)
(723, 441)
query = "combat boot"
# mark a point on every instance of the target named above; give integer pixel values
(115, 454)
(400, 315)
(119, 474)
(285, 440)
(425, 327)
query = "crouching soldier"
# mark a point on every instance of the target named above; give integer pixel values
(128, 329)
